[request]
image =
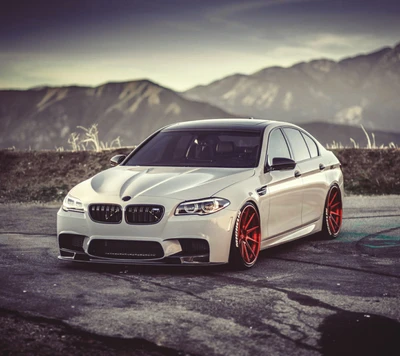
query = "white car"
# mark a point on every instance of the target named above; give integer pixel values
(204, 192)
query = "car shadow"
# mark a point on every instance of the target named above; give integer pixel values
(292, 246)
(120, 269)
(351, 333)
(185, 270)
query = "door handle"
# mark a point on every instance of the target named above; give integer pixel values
(297, 174)
(321, 167)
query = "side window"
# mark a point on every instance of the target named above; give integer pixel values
(297, 143)
(277, 146)
(312, 146)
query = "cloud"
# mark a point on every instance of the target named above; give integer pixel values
(185, 26)
(224, 14)
(23, 70)
(327, 40)
(241, 22)
(182, 43)
(338, 46)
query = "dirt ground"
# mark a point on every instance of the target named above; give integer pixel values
(47, 176)
(370, 171)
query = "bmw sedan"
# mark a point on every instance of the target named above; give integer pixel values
(202, 193)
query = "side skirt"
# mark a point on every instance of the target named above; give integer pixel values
(290, 235)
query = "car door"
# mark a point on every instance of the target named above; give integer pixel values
(284, 190)
(306, 155)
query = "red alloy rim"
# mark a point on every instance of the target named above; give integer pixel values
(334, 211)
(249, 235)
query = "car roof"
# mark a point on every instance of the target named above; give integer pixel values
(222, 124)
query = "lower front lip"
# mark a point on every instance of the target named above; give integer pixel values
(200, 260)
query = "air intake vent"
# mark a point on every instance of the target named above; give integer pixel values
(143, 214)
(121, 249)
(106, 213)
(194, 247)
(71, 242)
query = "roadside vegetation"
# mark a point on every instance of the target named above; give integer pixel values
(47, 176)
(90, 141)
(371, 143)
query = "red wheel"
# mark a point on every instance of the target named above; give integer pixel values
(333, 213)
(246, 239)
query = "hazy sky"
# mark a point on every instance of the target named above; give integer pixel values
(180, 43)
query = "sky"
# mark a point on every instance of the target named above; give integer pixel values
(181, 43)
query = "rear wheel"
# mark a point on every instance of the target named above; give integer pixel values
(246, 240)
(333, 213)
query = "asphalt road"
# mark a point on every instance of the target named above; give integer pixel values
(309, 297)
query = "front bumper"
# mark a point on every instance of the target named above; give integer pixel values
(173, 233)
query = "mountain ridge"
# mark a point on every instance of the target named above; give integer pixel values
(133, 110)
(362, 89)
(354, 90)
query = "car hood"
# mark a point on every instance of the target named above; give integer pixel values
(181, 183)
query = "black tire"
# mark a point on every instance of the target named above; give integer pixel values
(246, 238)
(333, 213)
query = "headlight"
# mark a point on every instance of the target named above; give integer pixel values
(201, 207)
(72, 204)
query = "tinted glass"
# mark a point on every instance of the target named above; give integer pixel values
(277, 146)
(199, 149)
(298, 144)
(312, 146)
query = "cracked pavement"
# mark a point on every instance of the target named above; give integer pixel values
(308, 297)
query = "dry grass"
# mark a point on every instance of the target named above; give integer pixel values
(90, 141)
(371, 143)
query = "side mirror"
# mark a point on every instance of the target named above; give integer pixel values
(116, 160)
(282, 164)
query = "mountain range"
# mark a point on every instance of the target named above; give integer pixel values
(361, 90)
(323, 96)
(45, 117)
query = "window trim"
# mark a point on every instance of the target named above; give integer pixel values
(318, 150)
(266, 163)
(291, 149)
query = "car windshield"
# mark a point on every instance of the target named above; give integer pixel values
(199, 149)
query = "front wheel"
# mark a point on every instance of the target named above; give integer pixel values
(333, 213)
(246, 239)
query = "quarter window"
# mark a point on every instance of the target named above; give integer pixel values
(312, 146)
(277, 146)
(298, 144)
